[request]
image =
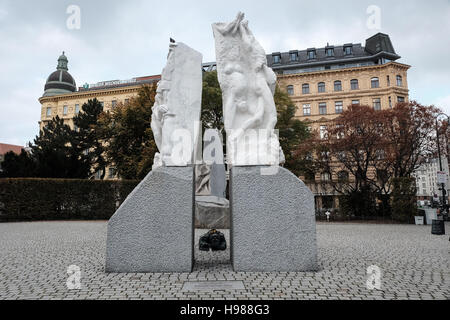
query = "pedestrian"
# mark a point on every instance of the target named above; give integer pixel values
(328, 213)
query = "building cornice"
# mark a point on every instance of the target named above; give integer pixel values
(349, 94)
(345, 70)
(90, 94)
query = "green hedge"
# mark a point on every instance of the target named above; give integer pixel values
(61, 199)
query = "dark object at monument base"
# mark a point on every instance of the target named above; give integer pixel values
(438, 227)
(213, 240)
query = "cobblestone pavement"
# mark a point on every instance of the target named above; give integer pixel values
(34, 258)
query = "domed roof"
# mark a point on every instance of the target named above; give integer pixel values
(60, 81)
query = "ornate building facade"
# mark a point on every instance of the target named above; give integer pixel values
(322, 82)
(62, 98)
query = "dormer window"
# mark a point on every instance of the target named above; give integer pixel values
(348, 50)
(330, 52)
(293, 56)
(276, 58)
(311, 54)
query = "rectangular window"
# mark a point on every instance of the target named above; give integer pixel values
(390, 102)
(377, 104)
(321, 87)
(49, 112)
(322, 108)
(339, 106)
(293, 56)
(114, 104)
(311, 54)
(354, 84)
(127, 101)
(305, 88)
(348, 50)
(111, 173)
(337, 86)
(290, 90)
(375, 83)
(330, 52)
(400, 99)
(276, 58)
(102, 104)
(355, 101)
(306, 109)
(388, 81)
(65, 110)
(77, 108)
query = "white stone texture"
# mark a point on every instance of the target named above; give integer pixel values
(248, 86)
(176, 113)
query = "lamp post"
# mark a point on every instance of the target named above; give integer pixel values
(444, 200)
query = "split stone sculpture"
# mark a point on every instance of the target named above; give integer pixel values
(153, 230)
(272, 211)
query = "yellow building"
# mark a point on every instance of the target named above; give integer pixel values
(323, 82)
(62, 98)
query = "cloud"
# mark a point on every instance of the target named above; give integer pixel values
(123, 39)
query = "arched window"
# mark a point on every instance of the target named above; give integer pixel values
(305, 88)
(375, 82)
(290, 90)
(321, 87)
(337, 85)
(399, 81)
(354, 85)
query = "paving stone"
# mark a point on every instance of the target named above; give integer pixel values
(34, 258)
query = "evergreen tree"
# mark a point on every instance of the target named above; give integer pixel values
(88, 137)
(18, 165)
(55, 154)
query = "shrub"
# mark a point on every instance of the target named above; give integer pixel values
(404, 205)
(31, 199)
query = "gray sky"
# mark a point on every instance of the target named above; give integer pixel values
(125, 39)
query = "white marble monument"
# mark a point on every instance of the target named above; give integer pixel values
(248, 86)
(176, 113)
(153, 230)
(272, 211)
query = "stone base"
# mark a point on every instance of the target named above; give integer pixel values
(153, 229)
(212, 212)
(273, 224)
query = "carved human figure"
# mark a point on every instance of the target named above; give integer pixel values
(173, 109)
(248, 86)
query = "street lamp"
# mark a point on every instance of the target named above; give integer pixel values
(444, 200)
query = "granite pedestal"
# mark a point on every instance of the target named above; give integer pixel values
(153, 230)
(273, 224)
